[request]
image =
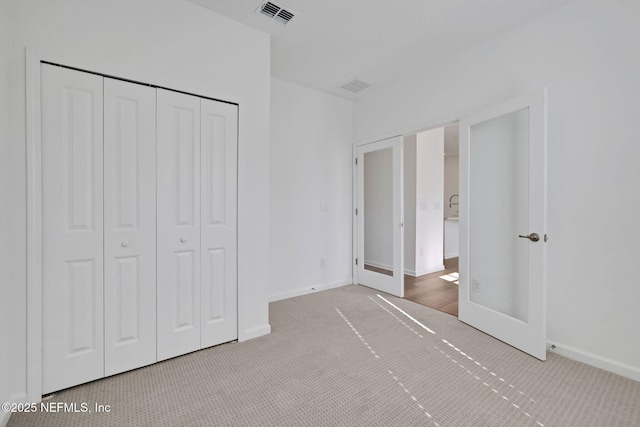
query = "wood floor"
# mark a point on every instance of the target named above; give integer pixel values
(430, 290)
(434, 292)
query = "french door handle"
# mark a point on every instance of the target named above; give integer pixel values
(534, 237)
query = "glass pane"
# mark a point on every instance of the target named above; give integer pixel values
(378, 211)
(498, 213)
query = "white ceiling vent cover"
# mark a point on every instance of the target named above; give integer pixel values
(356, 85)
(276, 12)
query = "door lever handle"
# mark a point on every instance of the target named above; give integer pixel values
(534, 237)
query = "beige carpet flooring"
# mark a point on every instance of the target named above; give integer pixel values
(346, 357)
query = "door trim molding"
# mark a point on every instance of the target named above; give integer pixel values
(34, 228)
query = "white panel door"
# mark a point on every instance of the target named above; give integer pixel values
(503, 221)
(178, 223)
(219, 145)
(72, 143)
(380, 215)
(129, 225)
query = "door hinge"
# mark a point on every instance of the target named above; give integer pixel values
(546, 237)
(356, 211)
(356, 261)
(356, 161)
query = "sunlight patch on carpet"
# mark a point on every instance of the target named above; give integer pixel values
(492, 382)
(405, 313)
(408, 393)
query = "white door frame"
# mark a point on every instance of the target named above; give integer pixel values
(33, 121)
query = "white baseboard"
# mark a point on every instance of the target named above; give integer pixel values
(610, 365)
(431, 270)
(408, 271)
(255, 333)
(309, 290)
(413, 273)
(14, 398)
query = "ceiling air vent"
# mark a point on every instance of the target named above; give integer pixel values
(355, 85)
(276, 12)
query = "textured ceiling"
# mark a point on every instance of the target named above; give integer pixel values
(330, 41)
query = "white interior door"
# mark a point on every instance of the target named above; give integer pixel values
(218, 166)
(503, 221)
(72, 204)
(380, 262)
(178, 222)
(129, 225)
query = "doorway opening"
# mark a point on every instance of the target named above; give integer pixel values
(503, 208)
(431, 216)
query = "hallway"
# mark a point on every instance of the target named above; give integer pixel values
(433, 291)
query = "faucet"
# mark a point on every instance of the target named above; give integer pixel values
(451, 202)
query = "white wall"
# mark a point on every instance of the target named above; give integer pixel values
(169, 41)
(310, 167)
(429, 194)
(584, 53)
(423, 209)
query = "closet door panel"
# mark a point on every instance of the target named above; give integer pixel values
(178, 219)
(129, 225)
(219, 224)
(72, 200)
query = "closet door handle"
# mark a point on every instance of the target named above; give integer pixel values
(183, 239)
(125, 244)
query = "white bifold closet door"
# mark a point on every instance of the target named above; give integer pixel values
(99, 237)
(139, 225)
(197, 210)
(218, 221)
(178, 223)
(129, 225)
(72, 212)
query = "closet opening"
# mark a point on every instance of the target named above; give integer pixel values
(132, 231)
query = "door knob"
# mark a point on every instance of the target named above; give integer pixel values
(183, 239)
(534, 237)
(125, 244)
